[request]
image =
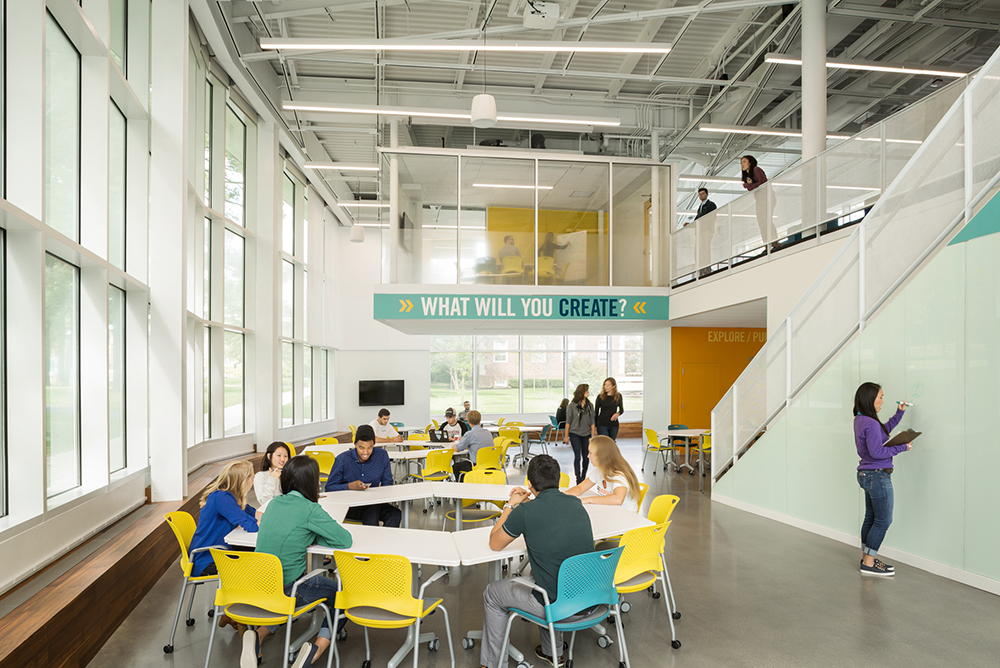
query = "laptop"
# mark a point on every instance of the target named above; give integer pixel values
(436, 436)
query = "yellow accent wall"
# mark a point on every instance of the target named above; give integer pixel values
(501, 221)
(705, 362)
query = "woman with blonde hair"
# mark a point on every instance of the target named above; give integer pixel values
(223, 508)
(610, 476)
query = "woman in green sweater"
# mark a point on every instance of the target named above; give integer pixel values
(291, 523)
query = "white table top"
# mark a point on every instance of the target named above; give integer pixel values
(386, 494)
(681, 433)
(527, 429)
(335, 448)
(470, 490)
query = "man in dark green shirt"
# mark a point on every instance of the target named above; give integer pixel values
(555, 527)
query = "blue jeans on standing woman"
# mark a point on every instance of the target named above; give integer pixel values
(581, 452)
(611, 430)
(878, 508)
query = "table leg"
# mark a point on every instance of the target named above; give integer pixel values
(701, 463)
(404, 506)
(458, 514)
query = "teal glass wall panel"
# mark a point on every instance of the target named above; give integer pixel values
(762, 471)
(822, 485)
(724, 486)
(982, 406)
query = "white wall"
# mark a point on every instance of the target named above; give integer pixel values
(656, 374)
(782, 281)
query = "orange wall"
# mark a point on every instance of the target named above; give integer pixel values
(712, 358)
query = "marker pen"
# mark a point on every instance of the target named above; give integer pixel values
(904, 403)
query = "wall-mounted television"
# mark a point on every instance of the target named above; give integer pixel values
(380, 393)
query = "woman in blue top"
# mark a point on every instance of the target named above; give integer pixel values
(223, 508)
(874, 473)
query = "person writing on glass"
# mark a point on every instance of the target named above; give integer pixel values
(608, 408)
(580, 428)
(874, 473)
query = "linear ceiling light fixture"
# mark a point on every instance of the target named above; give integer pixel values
(867, 65)
(403, 44)
(708, 179)
(505, 185)
(442, 113)
(753, 130)
(341, 167)
(365, 203)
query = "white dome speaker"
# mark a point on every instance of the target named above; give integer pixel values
(484, 111)
(357, 233)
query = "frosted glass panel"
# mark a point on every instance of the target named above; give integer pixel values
(761, 476)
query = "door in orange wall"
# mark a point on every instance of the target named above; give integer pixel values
(699, 393)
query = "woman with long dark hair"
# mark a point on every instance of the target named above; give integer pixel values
(753, 177)
(579, 429)
(875, 472)
(267, 483)
(608, 407)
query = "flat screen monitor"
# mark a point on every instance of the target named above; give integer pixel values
(380, 393)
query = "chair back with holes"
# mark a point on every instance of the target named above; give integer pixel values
(253, 578)
(354, 432)
(662, 507)
(513, 424)
(418, 437)
(653, 440)
(325, 460)
(327, 440)
(513, 434)
(643, 488)
(555, 423)
(512, 264)
(381, 581)
(642, 548)
(438, 461)
(679, 441)
(500, 422)
(489, 458)
(585, 580)
(183, 526)
(291, 450)
(545, 267)
(486, 476)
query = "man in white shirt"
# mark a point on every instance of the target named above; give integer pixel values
(385, 432)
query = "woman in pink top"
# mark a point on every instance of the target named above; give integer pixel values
(753, 177)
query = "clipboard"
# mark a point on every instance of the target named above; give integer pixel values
(902, 438)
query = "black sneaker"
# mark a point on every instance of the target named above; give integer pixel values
(546, 657)
(878, 570)
(878, 562)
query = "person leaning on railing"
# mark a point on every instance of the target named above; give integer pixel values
(753, 177)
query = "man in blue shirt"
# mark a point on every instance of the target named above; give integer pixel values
(473, 440)
(363, 467)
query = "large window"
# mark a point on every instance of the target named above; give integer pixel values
(531, 373)
(233, 299)
(287, 385)
(117, 147)
(62, 381)
(307, 383)
(287, 300)
(116, 379)
(288, 216)
(233, 377)
(236, 140)
(119, 33)
(208, 143)
(62, 132)
(3, 374)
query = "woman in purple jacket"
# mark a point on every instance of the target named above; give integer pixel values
(753, 177)
(874, 473)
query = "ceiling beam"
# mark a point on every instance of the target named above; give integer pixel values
(905, 16)
(647, 34)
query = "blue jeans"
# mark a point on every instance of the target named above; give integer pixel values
(878, 508)
(611, 431)
(314, 589)
(581, 452)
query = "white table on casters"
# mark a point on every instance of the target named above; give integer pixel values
(687, 435)
(472, 491)
(386, 494)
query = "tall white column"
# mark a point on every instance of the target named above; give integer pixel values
(393, 202)
(813, 78)
(167, 268)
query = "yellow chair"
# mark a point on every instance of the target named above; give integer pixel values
(438, 466)
(435, 423)
(653, 445)
(418, 437)
(377, 592)
(325, 460)
(662, 508)
(513, 424)
(327, 440)
(512, 266)
(490, 458)
(183, 526)
(291, 450)
(643, 488)
(706, 445)
(251, 593)
(561, 274)
(354, 432)
(487, 477)
(428, 428)
(642, 564)
(545, 267)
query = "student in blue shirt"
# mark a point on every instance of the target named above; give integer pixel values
(363, 467)
(223, 508)
(472, 441)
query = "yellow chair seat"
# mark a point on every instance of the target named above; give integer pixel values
(244, 613)
(637, 583)
(473, 515)
(378, 618)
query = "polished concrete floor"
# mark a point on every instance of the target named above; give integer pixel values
(753, 592)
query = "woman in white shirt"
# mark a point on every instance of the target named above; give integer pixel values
(267, 483)
(610, 477)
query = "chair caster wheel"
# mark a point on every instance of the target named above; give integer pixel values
(625, 606)
(676, 644)
(656, 594)
(568, 663)
(524, 664)
(189, 622)
(621, 664)
(425, 511)
(211, 613)
(503, 567)
(366, 664)
(677, 615)
(468, 643)
(168, 649)
(604, 642)
(434, 645)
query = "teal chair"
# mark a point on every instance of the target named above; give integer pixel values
(397, 425)
(585, 581)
